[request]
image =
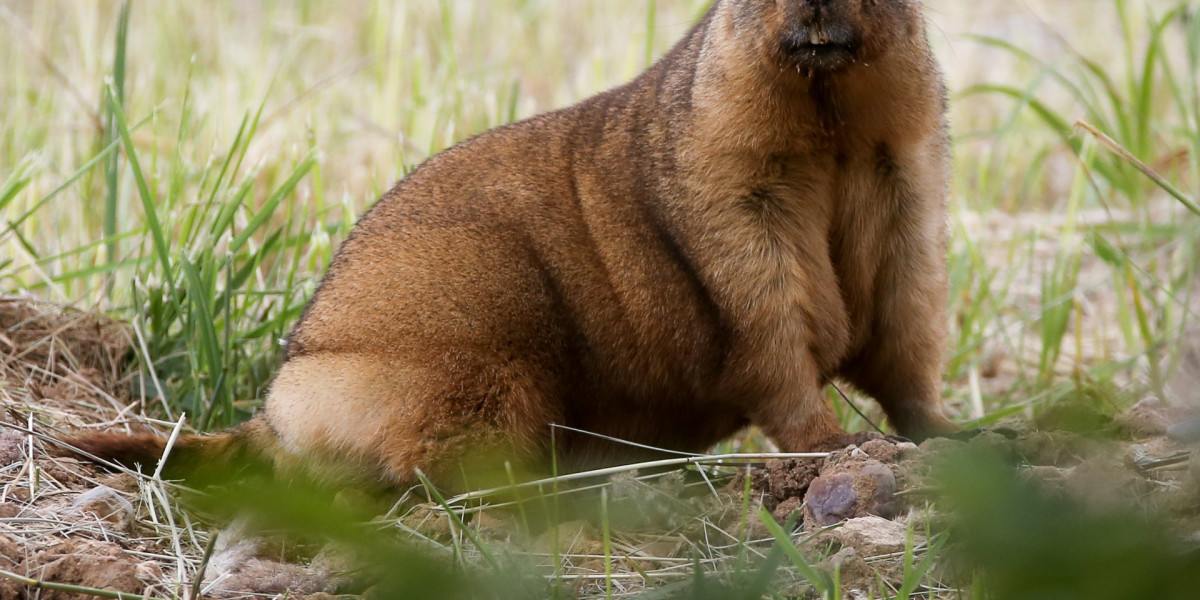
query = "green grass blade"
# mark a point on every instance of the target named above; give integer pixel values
(915, 574)
(205, 346)
(1148, 84)
(229, 157)
(80, 172)
(161, 248)
(17, 181)
(1072, 87)
(272, 202)
(819, 580)
(115, 98)
(1128, 157)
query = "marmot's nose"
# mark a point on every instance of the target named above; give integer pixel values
(819, 6)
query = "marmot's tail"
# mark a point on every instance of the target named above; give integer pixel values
(199, 460)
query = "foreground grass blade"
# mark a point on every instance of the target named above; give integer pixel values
(1127, 156)
(161, 248)
(819, 581)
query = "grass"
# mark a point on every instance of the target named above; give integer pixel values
(191, 168)
(1119, 249)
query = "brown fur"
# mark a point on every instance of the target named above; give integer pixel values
(200, 459)
(702, 248)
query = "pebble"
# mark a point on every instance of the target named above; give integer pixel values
(856, 489)
(871, 535)
(1187, 431)
(108, 505)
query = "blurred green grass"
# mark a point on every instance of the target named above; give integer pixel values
(1029, 541)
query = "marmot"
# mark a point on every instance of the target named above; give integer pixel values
(705, 247)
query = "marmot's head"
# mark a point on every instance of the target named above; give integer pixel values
(828, 35)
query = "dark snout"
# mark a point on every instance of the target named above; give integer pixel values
(822, 34)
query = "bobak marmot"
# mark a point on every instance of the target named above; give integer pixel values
(706, 247)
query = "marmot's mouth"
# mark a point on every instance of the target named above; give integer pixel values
(820, 48)
(815, 49)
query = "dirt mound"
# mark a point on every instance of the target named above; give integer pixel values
(84, 563)
(64, 364)
(71, 528)
(43, 344)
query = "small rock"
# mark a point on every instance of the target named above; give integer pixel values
(1147, 418)
(12, 447)
(1106, 486)
(786, 508)
(428, 522)
(335, 557)
(574, 537)
(852, 570)
(832, 499)
(108, 505)
(1194, 468)
(489, 523)
(882, 450)
(848, 489)
(871, 535)
(148, 571)
(938, 445)
(1187, 431)
(908, 450)
(990, 441)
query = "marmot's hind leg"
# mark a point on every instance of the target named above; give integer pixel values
(365, 409)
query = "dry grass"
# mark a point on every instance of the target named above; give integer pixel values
(64, 360)
(64, 369)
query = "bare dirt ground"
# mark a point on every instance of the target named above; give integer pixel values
(863, 512)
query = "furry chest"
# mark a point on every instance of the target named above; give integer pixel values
(784, 290)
